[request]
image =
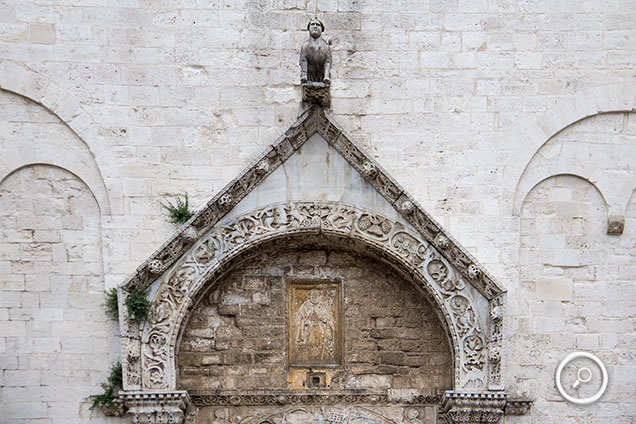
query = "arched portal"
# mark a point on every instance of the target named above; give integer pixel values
(305, 188)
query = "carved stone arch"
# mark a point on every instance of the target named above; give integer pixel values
(151, 366)
(23, 81)
(588, 172)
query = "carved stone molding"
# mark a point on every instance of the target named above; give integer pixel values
(157, 407)
(296, 397)
(471, 408)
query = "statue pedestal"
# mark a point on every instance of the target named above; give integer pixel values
(317, 93)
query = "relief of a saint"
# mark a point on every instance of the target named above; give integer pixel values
(314, 328)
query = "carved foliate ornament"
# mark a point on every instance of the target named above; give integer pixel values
(407, 207)
(369, 169)
(190, 234)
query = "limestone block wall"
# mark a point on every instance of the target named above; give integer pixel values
(55, 335)
(147, 100)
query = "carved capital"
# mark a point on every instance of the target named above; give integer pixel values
(157, 407)
(472, 408)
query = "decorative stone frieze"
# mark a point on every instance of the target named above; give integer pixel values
(471, 408)
(296, 397)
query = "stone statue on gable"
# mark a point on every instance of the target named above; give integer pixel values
(315, 67)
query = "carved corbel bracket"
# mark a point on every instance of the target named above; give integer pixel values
(472, 408)
(157, 407)
(615, 225)
(518, 406)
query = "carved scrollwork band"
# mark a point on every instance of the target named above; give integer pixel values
(435, 274)
(284, 397)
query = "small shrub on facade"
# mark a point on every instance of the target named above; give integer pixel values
(138, 304)
(178, 212)
(111, 304)
(111, 388)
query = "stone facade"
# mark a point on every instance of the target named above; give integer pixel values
(477, 108)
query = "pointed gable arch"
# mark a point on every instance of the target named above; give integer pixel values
(467, 299)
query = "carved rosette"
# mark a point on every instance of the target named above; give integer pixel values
(429, 267)
(157, 408)
(471, 408)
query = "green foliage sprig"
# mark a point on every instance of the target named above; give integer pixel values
(111, 388)
(178, 212)
(138, 304)
(111, 304)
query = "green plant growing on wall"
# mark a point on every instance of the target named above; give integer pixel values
(178, 212)
(138, 304)
(111, 388)
(111, 304)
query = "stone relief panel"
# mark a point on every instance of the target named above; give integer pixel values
(445, 287)
(314, 324)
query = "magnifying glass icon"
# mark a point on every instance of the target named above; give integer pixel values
(584, 375)
(579, 379)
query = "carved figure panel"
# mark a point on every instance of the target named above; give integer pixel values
(314, 324)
